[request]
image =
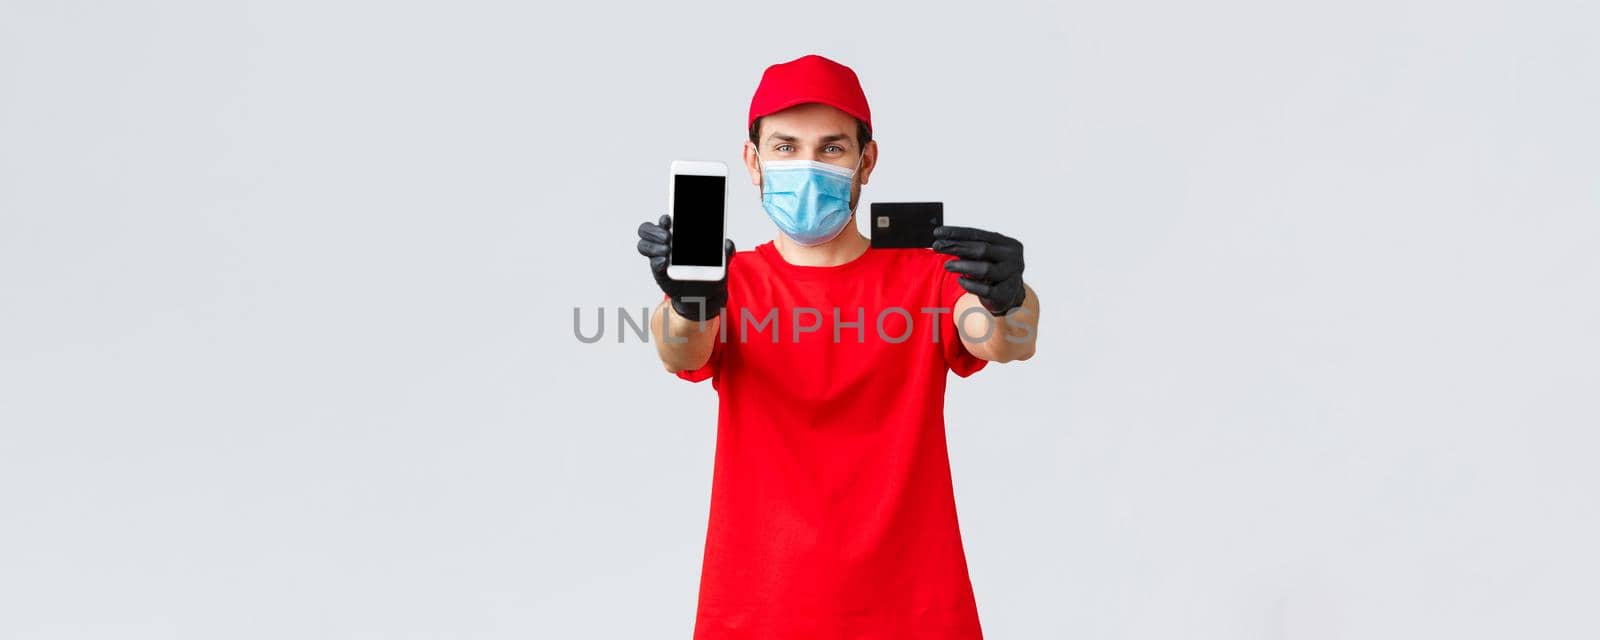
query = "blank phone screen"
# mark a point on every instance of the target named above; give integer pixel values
(697, 220)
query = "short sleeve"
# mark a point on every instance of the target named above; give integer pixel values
(956, 355)
(707, 370)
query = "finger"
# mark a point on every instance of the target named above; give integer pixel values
(976, 269)
(665, 222)
(970, 233)
(980, 289)
(948, 232)
(985, 270)
(649, 248)
(971, 249)
(658, 264)
(979, 250)
(1003, 252)
(653, 233)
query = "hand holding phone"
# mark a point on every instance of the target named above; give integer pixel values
(692, 299)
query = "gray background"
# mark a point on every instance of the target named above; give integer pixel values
(286, 340)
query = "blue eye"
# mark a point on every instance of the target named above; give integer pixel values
(784, 147)
(835, 148)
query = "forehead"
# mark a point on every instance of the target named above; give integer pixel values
(809, 120)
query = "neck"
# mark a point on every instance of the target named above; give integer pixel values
(846, 246)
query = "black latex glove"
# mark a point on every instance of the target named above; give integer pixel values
(990, 264)
(655, 242)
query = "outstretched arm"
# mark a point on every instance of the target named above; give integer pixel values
(999, 314)
(681, 343)
(686, 323)
(1013, 336)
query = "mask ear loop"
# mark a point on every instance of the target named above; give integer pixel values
(761, 166)
(853, 173)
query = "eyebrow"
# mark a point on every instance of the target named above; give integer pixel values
(832, 137)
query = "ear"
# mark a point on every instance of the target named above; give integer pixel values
(869, 160)
(751, 163)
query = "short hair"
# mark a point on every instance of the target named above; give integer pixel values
(863, 132)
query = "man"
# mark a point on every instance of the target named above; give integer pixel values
(832, 510)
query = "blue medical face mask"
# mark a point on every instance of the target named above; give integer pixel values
(808, 200)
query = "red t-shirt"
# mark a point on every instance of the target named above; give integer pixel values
(832, 511)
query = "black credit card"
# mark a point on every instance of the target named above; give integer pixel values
(905, 225)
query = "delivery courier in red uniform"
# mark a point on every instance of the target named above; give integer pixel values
(832, 510)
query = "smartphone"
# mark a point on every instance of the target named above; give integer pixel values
(905, 225)
(698, 203)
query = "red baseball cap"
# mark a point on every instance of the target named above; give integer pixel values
(810, 78)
